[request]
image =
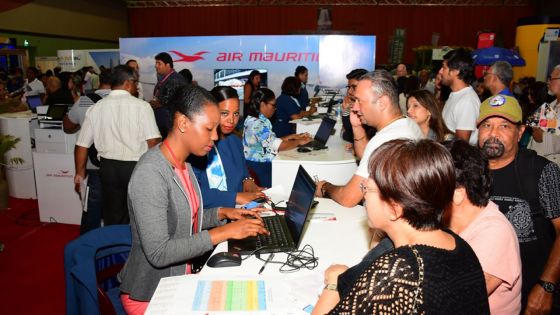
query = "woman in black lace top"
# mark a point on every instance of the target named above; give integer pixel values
(430, 271)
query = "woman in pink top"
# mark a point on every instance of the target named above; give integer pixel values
(169, 224)
(479, 222)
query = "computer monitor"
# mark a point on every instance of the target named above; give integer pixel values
(236, 78)
(56, 112)
(33, 101)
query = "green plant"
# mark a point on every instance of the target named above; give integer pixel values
(8, 142)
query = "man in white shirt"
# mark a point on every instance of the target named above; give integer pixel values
(462, 107)
(377, 105)
(32, 85)
(122, 128)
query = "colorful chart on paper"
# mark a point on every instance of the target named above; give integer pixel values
(241, 295)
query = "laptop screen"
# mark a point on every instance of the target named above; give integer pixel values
(299, 203)
(33, 101)
(57, 112)
(325, 129)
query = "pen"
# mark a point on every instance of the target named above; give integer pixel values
(266, 262)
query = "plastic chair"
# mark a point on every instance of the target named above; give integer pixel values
(91, 263)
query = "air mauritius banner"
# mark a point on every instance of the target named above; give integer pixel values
(228, 60)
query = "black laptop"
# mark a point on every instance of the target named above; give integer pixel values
(322, 136)
(285, 231)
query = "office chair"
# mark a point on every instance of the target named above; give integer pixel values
(91, 263)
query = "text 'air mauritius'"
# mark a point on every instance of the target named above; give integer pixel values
(253, 56)
(269, 56)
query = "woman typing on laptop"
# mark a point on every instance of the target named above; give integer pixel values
(260, 143)
(168, 224)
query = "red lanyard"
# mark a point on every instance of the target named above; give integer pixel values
(158, 85)
(189, 198)
(192, 202)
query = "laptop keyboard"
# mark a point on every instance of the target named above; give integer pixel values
(277, 237)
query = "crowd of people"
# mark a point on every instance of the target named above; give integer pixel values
(464, 218)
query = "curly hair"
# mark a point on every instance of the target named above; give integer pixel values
(471, 171)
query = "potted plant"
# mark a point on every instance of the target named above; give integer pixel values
(7, 142)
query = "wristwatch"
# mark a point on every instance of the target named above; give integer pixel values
(330, 287)
(548, 287)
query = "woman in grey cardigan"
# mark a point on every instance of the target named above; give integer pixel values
(168, 224)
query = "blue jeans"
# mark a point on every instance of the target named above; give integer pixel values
(92, 218)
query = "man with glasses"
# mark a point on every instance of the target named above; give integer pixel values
(546, 132)
(122, 127)
(498, 78)
(377, 105)
(349, 118)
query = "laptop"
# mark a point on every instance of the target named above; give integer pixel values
(33, 101)
(56, 112)
(285, 231)
(322, 136)
(54, 116)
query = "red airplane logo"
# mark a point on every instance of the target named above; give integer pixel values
(187, 58)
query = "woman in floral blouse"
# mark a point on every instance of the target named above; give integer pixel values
(260, 144)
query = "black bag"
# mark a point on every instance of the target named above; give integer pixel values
(92, 151)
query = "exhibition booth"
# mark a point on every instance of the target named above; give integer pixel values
(48, 169)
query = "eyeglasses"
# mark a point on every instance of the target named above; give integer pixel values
(552, 79)
(364, 189)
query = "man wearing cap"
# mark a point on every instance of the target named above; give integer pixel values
(168, 81)
(498, 77)
(526, 188)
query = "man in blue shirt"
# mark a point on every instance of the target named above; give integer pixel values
(498, 78)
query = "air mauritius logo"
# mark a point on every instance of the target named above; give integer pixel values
(188, 58)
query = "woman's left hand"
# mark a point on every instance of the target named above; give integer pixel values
(246, 197)
(239, 213)
(250, 186)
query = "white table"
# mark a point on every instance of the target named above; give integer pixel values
(344, 241)
(334, 164)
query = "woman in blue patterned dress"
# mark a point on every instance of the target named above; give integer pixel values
(260, 143)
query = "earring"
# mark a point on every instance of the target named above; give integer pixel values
(181, 130)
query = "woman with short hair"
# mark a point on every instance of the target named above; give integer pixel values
(479, 222)
(430, 270)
